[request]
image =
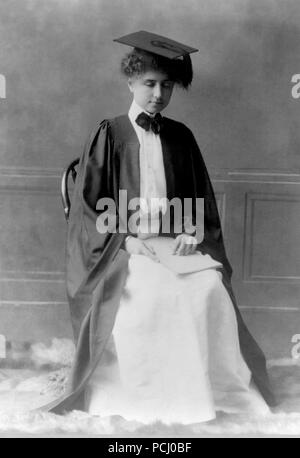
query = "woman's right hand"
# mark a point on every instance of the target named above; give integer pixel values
(134, 245)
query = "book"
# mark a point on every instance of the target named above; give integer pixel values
(163, 247)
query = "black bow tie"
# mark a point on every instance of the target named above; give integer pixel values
(147, 122)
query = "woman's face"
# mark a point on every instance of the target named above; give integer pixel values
(152, 90)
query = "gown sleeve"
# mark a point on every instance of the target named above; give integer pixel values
(213, 242)
(89, 252)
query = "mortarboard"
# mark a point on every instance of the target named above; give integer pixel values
(156, 44)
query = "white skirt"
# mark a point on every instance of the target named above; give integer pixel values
(174, 353)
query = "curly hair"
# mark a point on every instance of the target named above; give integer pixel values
(139, 61)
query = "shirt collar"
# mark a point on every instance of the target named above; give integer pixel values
(134, 111)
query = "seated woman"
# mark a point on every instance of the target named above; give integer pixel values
(153, 344)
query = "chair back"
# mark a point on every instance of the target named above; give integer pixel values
(71, 169)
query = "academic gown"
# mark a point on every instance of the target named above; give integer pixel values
(97, 263)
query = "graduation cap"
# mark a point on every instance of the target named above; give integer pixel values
(156, 44)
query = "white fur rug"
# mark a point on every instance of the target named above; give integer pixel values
(35, 377)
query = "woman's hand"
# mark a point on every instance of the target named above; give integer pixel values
(185, 244)
(134, 245)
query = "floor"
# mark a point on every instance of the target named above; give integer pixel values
(31, 376)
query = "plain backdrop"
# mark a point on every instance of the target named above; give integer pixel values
(62, 72)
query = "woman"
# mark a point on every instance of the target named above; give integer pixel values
(152, 344)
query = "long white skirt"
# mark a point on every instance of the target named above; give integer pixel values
(174, 354)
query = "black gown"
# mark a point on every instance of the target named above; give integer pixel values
(97, 263)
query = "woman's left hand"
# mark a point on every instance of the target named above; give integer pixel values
(185, 244)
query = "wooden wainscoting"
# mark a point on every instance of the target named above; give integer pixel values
(32, 238)
(262, 233)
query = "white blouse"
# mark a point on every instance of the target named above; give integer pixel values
(152, 171)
